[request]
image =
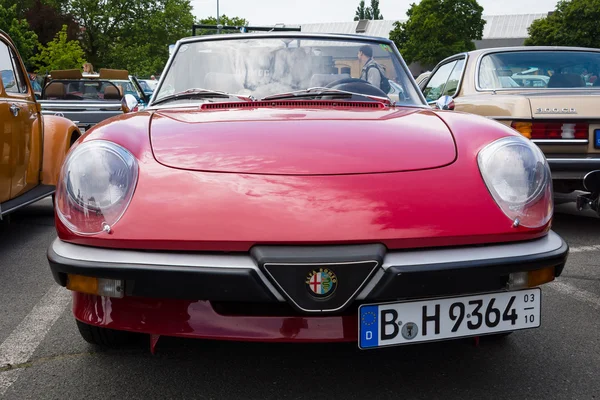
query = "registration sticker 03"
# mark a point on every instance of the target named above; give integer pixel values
(400, 323)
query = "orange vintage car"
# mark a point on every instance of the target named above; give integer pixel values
(548, 94)
(33, 147)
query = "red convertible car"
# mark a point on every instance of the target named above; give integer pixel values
(289, 187)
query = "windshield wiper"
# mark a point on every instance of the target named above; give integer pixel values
(323, 91)
(195, 92)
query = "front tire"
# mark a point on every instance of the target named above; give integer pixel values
(105, 337)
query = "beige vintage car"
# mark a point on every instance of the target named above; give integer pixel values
(549, 94)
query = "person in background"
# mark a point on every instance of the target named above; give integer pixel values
(88, 69)
(371, 75)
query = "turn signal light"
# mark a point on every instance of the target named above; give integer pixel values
(97, 286)
(528, 279)
(524, 128)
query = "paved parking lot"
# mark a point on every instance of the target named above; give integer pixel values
(43, 357)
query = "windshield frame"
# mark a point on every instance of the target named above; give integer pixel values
(290, 35)
(529, 49)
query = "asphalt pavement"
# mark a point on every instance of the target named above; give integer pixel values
(42, 355)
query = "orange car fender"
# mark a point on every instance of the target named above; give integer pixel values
(59, 135)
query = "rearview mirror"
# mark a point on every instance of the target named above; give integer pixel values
(445, 103)
(129, 103)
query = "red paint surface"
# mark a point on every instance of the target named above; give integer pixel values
(305, 142)
(197, 319)
(175, 209)
(179, 209)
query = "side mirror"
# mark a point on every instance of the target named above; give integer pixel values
(591, 182)
(129, 103)
(445, 103)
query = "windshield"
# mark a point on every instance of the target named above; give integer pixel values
(262, 67)
(539, 70)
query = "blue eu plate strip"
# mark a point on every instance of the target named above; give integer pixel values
(369, 326)
(597, 138)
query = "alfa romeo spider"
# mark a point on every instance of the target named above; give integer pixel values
(274, 190)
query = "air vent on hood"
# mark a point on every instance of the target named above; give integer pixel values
(292, 104)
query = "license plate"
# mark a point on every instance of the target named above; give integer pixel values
(393, 324)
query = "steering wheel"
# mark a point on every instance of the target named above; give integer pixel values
(357, 86)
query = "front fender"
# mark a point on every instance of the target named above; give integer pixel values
(59, 135)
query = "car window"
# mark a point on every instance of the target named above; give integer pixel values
(19, 74)
(527, 69)
(12, 76)
(436, 84)
(454, 79)
(6, 70)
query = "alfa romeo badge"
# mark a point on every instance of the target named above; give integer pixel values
(321, 283)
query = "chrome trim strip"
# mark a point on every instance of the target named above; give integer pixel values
(114, 256)
(591, 161)
(560, 141)
(77, 106)
(548, 243)
(371, 285)
(321, 311)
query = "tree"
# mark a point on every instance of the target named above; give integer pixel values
(375, 12)
(60, 53)
(46, 21)
(573, 23)
(223, 20)
(130, 34)
(143, 48)
(19, 31)
(372, 12)
(436, 29)
(362, 12)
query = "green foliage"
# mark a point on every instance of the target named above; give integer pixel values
(437, 29)
(47, 20)
(19, 31)
(131, 34)
(573, 23)
(223, 20)
(375, 11)
(364, 12)
(60, 53)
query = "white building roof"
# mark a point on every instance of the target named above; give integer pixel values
(497, 26)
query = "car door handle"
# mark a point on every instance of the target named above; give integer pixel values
(15, 109)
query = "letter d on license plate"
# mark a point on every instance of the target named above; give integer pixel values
(392, 324)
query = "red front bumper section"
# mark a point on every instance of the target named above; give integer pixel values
(197, 319)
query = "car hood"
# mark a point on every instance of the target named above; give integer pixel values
(301, 141)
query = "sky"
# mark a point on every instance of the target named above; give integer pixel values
(271, 12)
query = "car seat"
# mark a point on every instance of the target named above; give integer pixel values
(566, 81)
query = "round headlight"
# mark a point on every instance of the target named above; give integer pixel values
(518, 177)
(96, 184)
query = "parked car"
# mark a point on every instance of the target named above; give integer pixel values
(244, 203)
(33, 147)
(548, 94)
(88, 99)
